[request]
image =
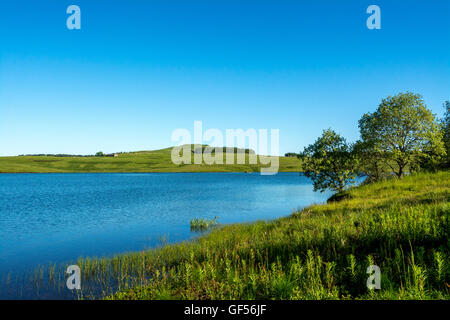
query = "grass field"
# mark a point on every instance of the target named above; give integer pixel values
(143, 161)
(321, 252)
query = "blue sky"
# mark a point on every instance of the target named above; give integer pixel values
(137, 70)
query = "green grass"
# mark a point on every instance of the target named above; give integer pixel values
(321, 252)
(142, 161)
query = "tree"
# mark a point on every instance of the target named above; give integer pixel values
(329, 162)
(291, 154)
(446, 131)
(369, 161)
(99, 154)
(404, 131)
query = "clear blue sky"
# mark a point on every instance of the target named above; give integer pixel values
(137, 70)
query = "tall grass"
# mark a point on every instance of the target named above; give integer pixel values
(321, 252)
(202, 224)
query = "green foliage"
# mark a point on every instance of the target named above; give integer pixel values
(403, 132)
(329, 162)
(99, 154)
(370, 161)
(291, 154)
(446, 132)
(201, 224)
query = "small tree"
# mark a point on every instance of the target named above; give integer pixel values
(370, 161)
(404, 131)
(291, 154)
(99, 154)
(446, 132)
(329, 162)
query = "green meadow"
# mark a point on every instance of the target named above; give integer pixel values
(142, 161)
(320, 252)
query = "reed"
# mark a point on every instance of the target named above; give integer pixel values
(202, 224)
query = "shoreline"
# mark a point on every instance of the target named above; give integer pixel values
(284, 171)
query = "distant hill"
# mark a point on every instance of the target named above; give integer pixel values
(139, 161)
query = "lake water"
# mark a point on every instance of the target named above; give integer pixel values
(60, 217)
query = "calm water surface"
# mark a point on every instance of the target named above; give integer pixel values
(60, 217)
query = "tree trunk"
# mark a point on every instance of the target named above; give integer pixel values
(400, 171)
(341, 185)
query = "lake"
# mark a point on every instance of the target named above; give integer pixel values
(60, 217)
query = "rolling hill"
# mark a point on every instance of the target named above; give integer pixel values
(141, 161)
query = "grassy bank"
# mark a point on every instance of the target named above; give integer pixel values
(322, 252)
(143, 161)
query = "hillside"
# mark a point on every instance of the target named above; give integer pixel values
(321, 252)
(142, 161)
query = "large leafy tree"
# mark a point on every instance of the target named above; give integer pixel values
(329, 162)
(404, 131)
